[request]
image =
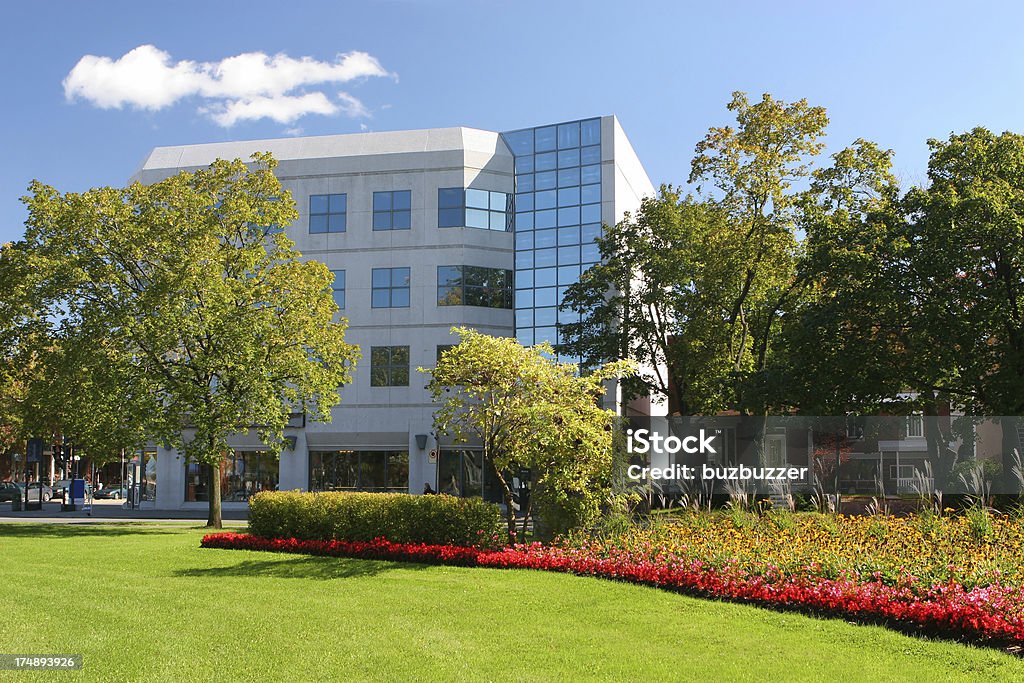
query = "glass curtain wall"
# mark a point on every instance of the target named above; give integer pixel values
(558, 217)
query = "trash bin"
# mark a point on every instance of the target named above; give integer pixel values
(16, 504)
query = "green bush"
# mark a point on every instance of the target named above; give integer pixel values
(398, 517)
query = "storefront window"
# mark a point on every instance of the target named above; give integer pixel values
(242, 475)
(359, 471)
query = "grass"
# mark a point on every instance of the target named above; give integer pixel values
(145, 603)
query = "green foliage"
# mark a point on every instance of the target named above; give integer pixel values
(398, 517)
(181, 304)
(698, 287)
(530, 412)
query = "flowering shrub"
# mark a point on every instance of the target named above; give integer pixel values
(992, 613)
(437, 520)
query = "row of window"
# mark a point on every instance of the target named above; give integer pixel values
(392, 210)
(456, 286)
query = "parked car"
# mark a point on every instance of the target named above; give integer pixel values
(33, 491)
(115, 493)
(9, 491)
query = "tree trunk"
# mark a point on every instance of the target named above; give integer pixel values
(214, 520)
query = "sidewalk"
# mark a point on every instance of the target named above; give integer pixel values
(51, 514)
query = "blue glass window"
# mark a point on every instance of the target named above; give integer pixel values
(569, 254)
(524, 278)
(543, 258)
(544, 238)
(545, 180)
(590, 194)
(569, 135)
(390, 288)
(568, 275)
(546, 162)
(544, 277)
(589, 253)
(569, 176)
(327, 213)
(450, 207)
(590, 174)
(392, 210)
(524, 182)
(524, 259)
(544, 139)
(568, 157)
(524, 164)
(569, 215)
(545, 297)
(590, 232)
(544, 219)
(544, 316)
(590, 155)
(524, 221)
(524, 299)
(569, 235)
(338, 287)
(520, 142)
(524, 318)
(547, 199)
(590, 132)
(525, 336)
(524, 240)
(567, 196)
(591, 213)
(524, 201)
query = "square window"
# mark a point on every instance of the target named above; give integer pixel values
(544, 219)
(389, 366)
(544, 277)
(327, 213)
(391, 210)
(591, 213)
(570, 235)
(524, 182)
(389, 288)
(546, 162)
(545, 200)
(546, 180)
(544, 239)
(590, 132)
(569, 216)
(590, 174)
(568, 196)
(590, 155)
(568, 157)
(568, 177)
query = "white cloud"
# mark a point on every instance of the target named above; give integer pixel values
(248, 86)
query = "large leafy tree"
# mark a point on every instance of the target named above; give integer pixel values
(187, 307)
(694, 289)
(528, 411)
(966, 274)
(751, 171)
(843, 348)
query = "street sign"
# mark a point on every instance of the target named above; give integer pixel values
(34, 452)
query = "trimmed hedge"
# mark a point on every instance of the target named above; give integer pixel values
(399, 517)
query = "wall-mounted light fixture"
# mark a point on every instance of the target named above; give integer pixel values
(421, 441)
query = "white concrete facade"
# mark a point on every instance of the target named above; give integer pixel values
(373, 418)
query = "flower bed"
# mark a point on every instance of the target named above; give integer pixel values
(993, 613)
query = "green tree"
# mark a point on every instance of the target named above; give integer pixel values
(530, 412)
(191, 312)
(752, 169)
(694, 289)
(843, 348)
(965, 271)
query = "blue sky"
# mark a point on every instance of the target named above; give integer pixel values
(894, 72)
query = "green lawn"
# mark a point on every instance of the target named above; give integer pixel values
(145, 603)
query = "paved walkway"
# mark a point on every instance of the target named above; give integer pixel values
(51, 514)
